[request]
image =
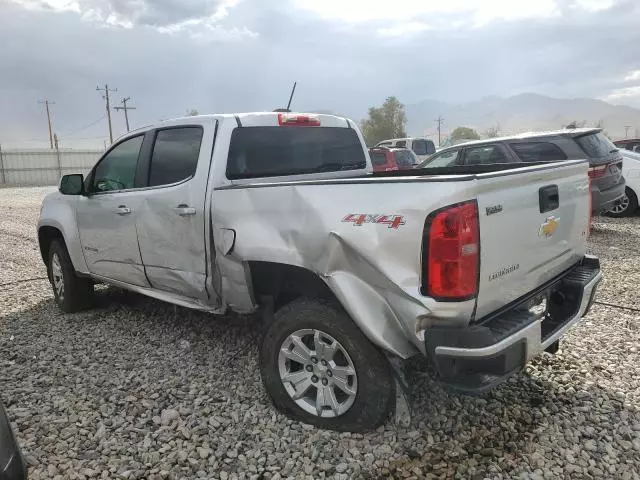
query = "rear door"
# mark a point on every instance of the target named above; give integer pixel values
(486, 155)
(171, 220)
(422, 148)
(533, 226)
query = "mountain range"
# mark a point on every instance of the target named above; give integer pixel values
(521, 113)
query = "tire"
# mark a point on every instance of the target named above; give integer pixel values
(372, 386)
(631, 206)
(72, 293)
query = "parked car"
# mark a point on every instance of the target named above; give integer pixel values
(422, 147)
(385, 159)
(632, 144)
(12, 464)
(352, 271)
(631, 171)
(605, 160)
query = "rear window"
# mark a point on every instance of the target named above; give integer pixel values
(378, 158)
(278, 151)
(538, 151)
(423, 147)
(175, 155)
(403, 158)
(596, 145)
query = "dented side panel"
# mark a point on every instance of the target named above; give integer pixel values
(372, 266)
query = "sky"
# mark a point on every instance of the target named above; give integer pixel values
(170, 56)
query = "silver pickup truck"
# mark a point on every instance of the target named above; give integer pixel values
(479, 269)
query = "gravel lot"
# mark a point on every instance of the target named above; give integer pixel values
(139, 389)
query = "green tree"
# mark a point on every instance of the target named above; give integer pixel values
(192, 112)
(464, 133)
(387, 121)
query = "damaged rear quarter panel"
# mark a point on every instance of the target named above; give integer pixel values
(372, 268)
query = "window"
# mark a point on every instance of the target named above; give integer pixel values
(378, 158)
(277, 151)
(444, 159)
(423, 147)
(538, 152)
(175, 155)
(596, 145)
(404, 158)
(401, 144)
(117, 169)
(484, 155)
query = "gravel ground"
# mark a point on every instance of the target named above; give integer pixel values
(139, 389)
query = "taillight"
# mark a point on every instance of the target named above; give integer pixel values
(298, 120)
(597, 172)
(451, 253)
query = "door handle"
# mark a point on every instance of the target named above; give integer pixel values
(123, 210)
(185, 210)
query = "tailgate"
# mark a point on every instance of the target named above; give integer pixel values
(533, 227)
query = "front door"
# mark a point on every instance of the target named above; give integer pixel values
(106, 216)
(171, 224)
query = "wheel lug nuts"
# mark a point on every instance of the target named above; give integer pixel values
(329, 373)
(309, 368)
(325, 381)
(314, 379)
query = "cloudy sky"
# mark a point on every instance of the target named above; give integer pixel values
(346, 55)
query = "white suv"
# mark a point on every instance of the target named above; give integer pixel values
(422, 147)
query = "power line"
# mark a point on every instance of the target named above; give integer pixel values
(47, 103)
(106, 97)
(85, 127)
(126, 109)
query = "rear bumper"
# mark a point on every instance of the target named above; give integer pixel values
(478, 357)
(604, 200)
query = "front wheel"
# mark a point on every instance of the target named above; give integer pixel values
(318, 367)
(626, 206)
(71, 292)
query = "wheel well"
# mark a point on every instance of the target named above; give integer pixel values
(46, 235)
(284, 283)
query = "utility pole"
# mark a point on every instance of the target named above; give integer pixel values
(46, 104)
(106, 97)
(626, 131)
(125, 108)
(439, 121)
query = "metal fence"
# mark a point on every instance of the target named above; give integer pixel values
(43, 167)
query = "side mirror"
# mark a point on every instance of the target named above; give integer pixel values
(72, 184)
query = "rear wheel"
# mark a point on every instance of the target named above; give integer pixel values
(625, 207)
(319, 368)
(71, 292)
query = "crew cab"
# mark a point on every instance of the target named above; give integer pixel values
(478, 268)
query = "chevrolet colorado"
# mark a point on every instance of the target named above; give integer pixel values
(479, 268)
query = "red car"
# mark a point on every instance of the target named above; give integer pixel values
(389, 159)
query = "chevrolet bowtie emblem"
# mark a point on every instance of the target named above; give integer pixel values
(549, 227)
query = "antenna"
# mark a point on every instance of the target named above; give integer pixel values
(291, 96)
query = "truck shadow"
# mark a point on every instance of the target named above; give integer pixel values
(514, 428)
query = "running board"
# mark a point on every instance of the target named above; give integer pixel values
(168, 297)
